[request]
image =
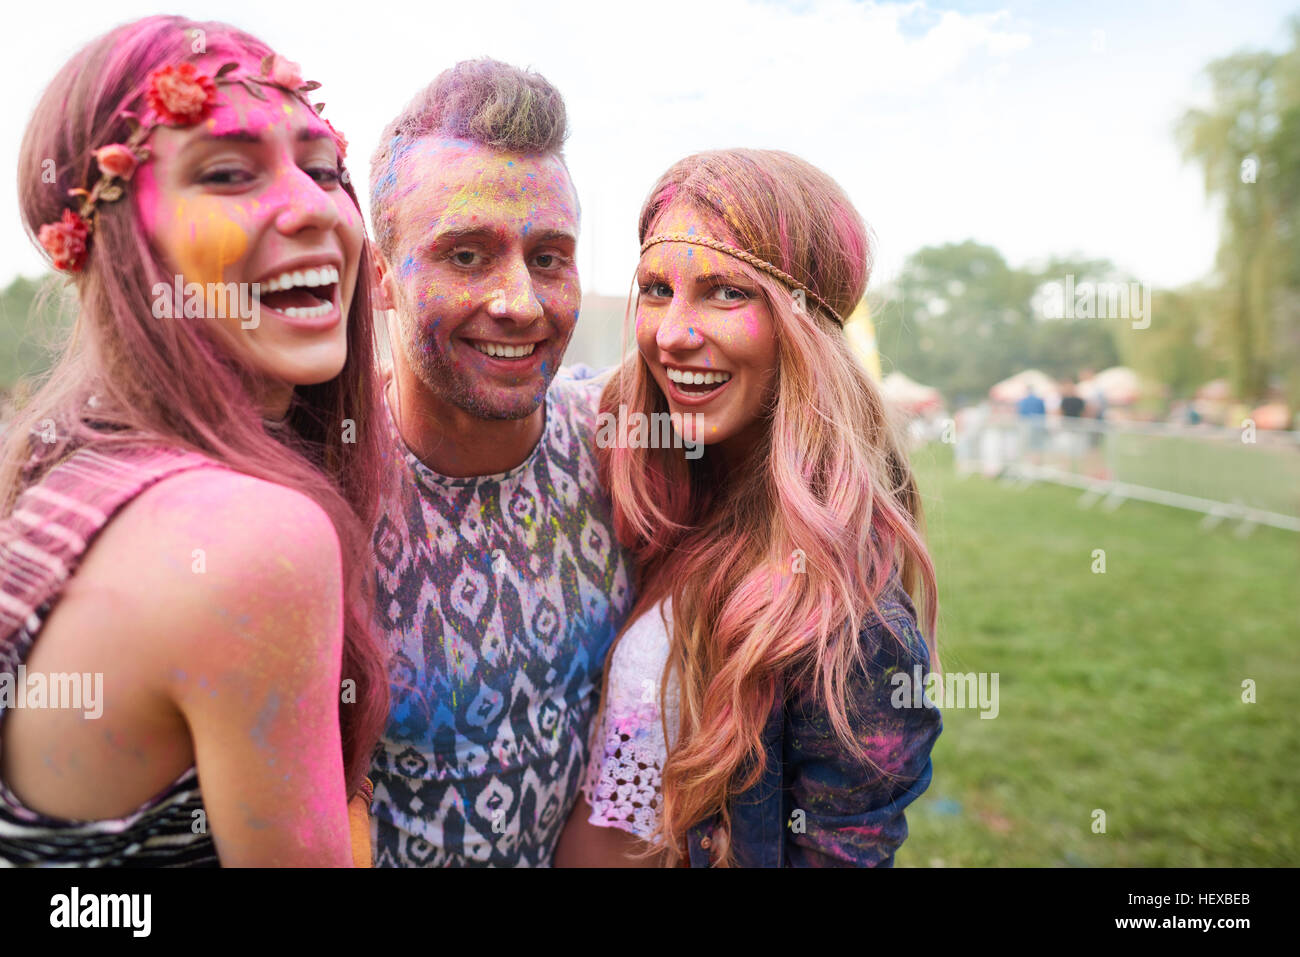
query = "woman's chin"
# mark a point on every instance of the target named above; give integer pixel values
(304, 372)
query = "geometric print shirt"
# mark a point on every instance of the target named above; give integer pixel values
(498, 597)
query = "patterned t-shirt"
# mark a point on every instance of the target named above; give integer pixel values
(499, 596)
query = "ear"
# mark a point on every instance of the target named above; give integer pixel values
(383, 277)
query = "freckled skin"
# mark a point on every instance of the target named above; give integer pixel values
(220, 212)
(686, 319)
(484, 242)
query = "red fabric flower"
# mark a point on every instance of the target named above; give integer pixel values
(116, 160)
(180, 95)
(66, 240)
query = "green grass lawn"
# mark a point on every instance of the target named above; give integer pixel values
(1119, 691)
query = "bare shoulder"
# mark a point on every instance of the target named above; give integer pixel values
(194, 501)
(231, 529)
(207, 560)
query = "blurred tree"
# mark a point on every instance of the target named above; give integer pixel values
(1247, 141)
(1184, 347)
(960, 319)
(33, 326)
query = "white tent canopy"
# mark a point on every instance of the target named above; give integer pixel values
(1016, 387)
(1119, 384)
(910, 394)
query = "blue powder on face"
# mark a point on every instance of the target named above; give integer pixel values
(397, 153)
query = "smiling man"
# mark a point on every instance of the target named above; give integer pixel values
(499, 581)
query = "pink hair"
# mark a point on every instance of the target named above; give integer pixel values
(124, 372)
(830, 480)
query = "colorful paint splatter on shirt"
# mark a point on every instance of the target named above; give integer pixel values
(499, 596)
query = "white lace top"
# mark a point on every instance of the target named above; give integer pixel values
(622, 783)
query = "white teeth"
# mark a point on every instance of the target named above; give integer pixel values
(309, 312)
(501, 350)
(323, 276)
(697, 378)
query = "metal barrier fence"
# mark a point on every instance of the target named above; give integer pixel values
(1236, 474)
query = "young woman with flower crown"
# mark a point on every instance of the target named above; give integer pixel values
(751, 710)
(186, 501)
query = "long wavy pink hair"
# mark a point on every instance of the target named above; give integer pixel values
(171, 379)
(830, 481)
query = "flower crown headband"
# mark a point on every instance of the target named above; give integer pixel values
(177, 96)
(746, 257)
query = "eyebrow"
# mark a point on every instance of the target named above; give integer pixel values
(455, 234)
(553, 236)
(704, 279)
(307, 134)
(458, 233)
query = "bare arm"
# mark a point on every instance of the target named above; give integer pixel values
(245, 623)
(583, 844)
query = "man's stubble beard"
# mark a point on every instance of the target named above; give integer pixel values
(443, 378)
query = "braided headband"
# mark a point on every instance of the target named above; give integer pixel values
(177, 96)
(743, 256)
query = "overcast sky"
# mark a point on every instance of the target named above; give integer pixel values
(1037, 128)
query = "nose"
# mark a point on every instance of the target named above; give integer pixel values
(514, 298)
(303, 203)
(679, 329)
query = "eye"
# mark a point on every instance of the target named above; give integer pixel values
(549, 261)
(729, 294)
(466, 258)
(324, 175)
(657, 290)
(225, 176)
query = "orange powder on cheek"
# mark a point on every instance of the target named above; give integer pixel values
(203, 240)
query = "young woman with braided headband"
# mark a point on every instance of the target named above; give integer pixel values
(749, 711)
(186, 501)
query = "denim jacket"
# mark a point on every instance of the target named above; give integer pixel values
(817, 805)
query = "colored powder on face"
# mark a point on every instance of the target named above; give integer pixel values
(205, 240)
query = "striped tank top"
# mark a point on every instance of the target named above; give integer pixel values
(42, 541)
